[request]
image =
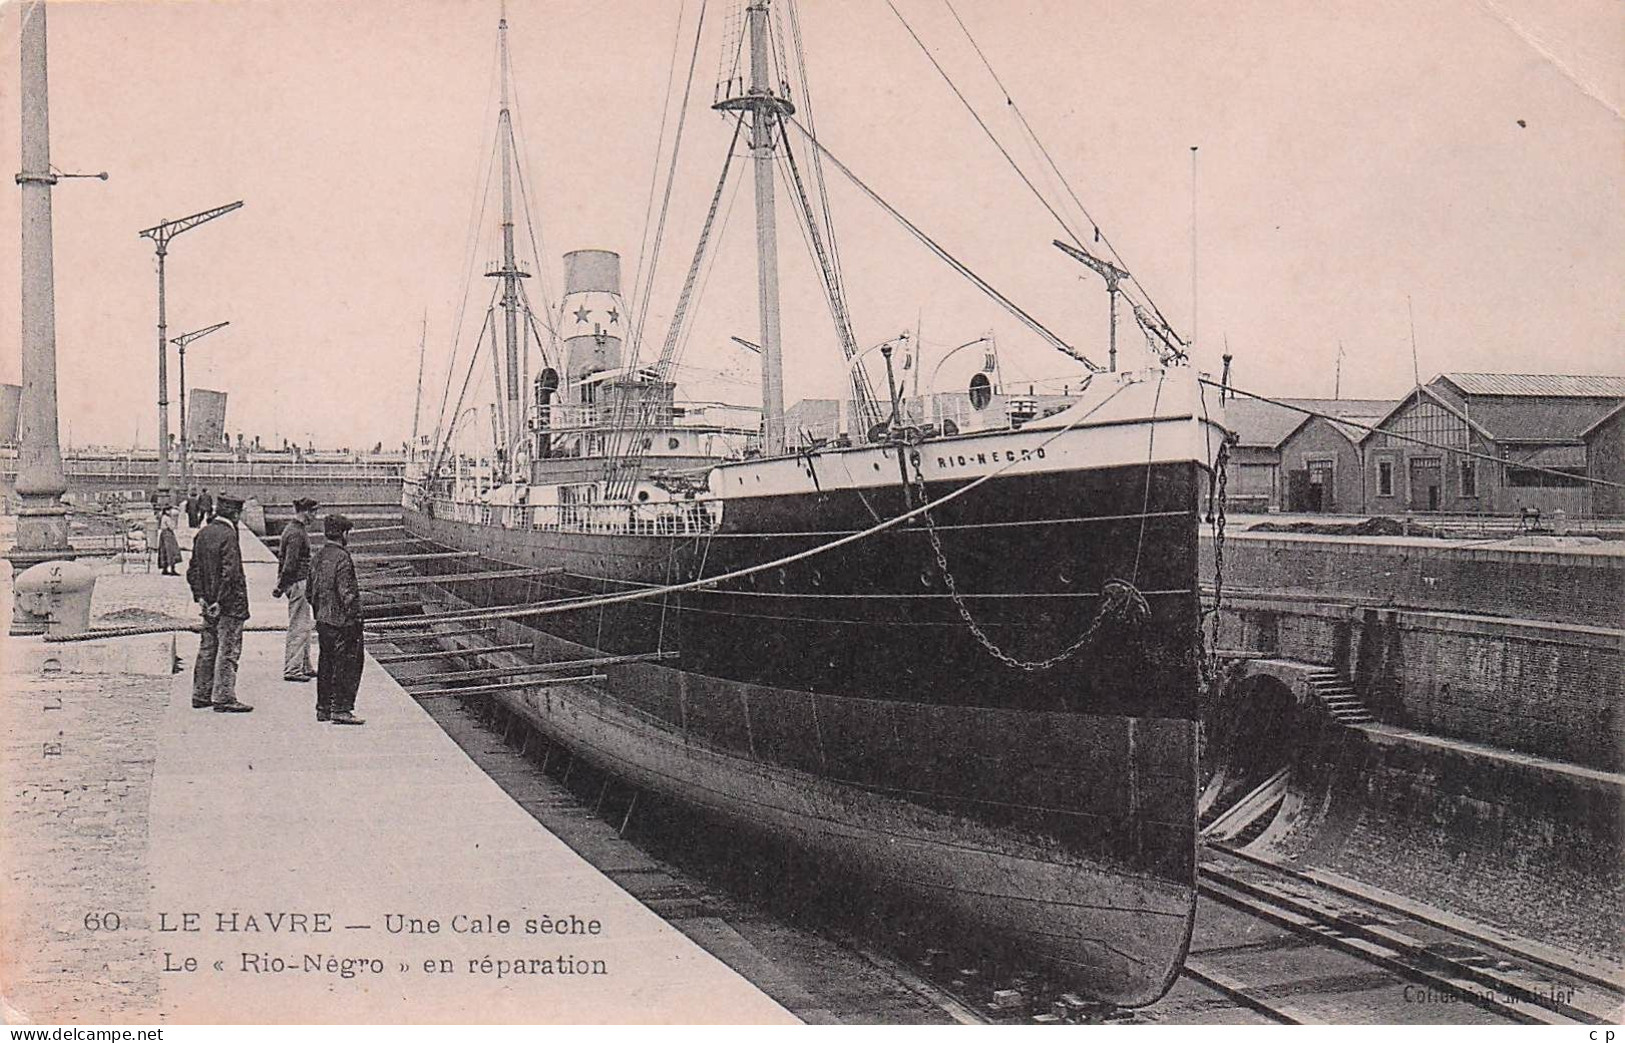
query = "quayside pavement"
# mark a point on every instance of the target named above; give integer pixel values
(166, 863)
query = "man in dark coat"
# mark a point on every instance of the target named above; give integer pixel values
(335, 597)
(221, 590)
(292, 579)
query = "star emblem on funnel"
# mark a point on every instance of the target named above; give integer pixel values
(614, 316)
(582, 313)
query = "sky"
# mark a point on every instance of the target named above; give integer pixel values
(1358, 163)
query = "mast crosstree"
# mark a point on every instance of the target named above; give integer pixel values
(766, 108)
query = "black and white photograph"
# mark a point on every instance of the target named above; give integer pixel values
(823, 512)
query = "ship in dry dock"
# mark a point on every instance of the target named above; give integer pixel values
(957, 657)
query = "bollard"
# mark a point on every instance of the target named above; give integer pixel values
(54, 597)
(254, 516)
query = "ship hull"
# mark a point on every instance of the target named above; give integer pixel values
(845, 702)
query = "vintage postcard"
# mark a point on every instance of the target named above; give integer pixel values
(897, 512)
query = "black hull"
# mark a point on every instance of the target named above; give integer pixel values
(843, 702)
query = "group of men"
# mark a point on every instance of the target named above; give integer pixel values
(320, 588)
(199, 506)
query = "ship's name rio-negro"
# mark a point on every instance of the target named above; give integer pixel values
(489, 923)
(990, 459)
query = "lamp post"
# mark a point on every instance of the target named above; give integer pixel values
(181, 342)
(42, 522)
(161, 234)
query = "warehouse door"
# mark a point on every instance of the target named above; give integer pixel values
(1427, 482)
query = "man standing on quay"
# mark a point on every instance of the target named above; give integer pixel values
(336, 599)
(293, 579)
(221, 591)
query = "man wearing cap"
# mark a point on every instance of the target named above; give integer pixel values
(293, 579)
(221, 591)
(336, 599)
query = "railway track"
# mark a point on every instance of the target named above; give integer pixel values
(1433, 965)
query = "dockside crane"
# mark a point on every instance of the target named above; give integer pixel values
(161, 234)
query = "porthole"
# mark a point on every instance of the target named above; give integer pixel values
(673, 443)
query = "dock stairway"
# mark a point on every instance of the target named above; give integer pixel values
(1339, 698)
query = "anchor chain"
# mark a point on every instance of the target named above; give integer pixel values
(1217, 519)
(1120, 600)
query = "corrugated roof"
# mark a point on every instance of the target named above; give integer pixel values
(1536, 384)
(1260, 424)
(1264, 425)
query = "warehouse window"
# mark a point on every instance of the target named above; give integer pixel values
(1469, 477)
(1385, 478)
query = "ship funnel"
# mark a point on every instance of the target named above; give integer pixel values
(593, 316)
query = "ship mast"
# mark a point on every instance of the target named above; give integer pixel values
(509, 273)
(765, 108)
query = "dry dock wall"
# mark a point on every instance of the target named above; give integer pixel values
(1584, 585)
(1529, 847)
(1550, 688)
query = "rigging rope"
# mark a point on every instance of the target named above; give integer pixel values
(976, 280)
(1022, 118)
(863, 396)
(472, 358)
(636, 347)
(638, 299)
(983, 123)
(621, 466)
(468, 268)
(555, 608)
(817, 161)
(500, 401)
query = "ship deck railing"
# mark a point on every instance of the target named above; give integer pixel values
(676, 518)
(137, 470)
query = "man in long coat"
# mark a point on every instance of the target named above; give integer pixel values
(221, 590)
(335, 597)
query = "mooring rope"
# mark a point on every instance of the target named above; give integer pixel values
(557, 607)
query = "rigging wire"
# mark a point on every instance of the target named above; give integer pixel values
(1037, 194)
(591, 602)
(621, 470)
(671, 174)
(500, 401)
(976, 280)
(638, 300)
(547, 318)
(537, 241)
(1022, 118)
(705, 278)
(863, 397)
(817, 160)
(1587, 479)
(467, 376)
(472, 244)
(983, 123)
